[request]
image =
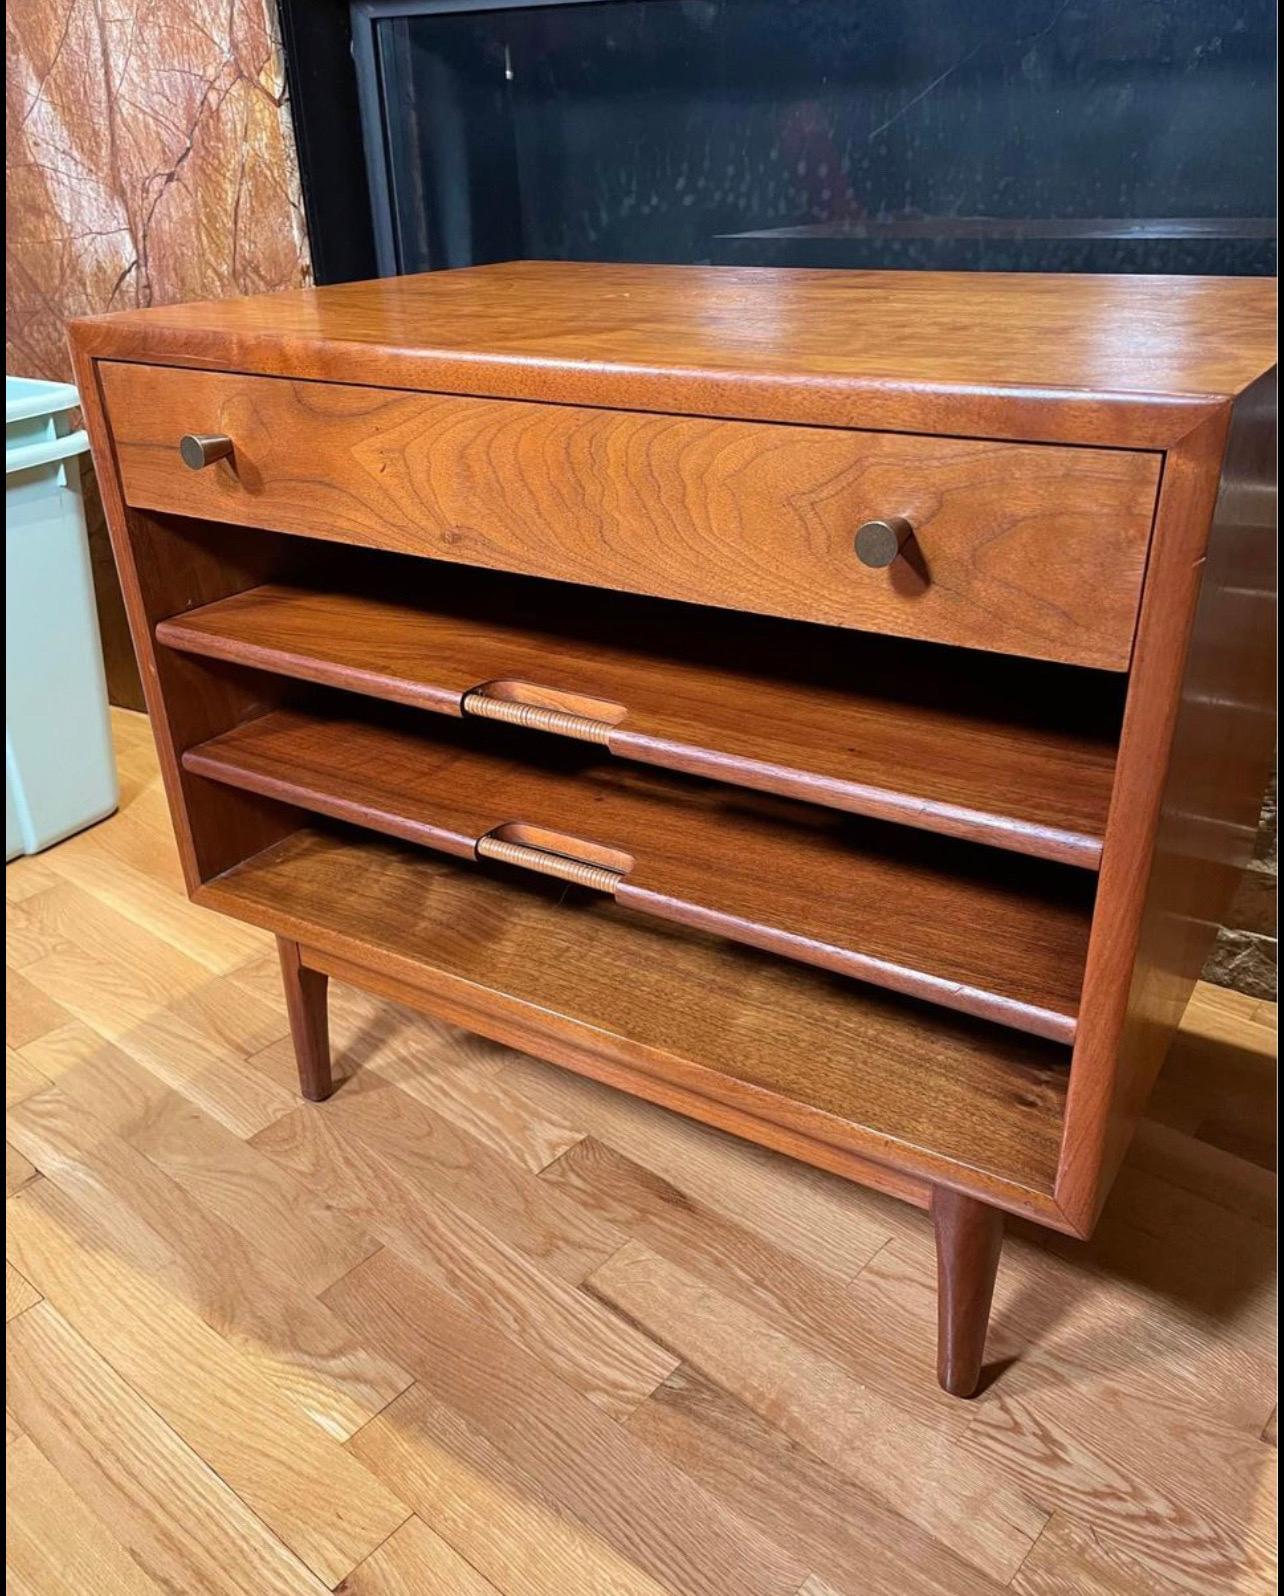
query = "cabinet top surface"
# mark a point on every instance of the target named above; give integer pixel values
(1133, 360)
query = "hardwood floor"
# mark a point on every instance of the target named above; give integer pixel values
(479, 1327)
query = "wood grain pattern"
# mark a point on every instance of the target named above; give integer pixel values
(1010, 541)
(164, 567)
(1064, 1331)
(1138, 1369)
(796, 1296)
(125, 881)
(969, 1239)
(19, 1293)
(1195, 752)
(30, 878)
(820, 1513)
(18, 1171)
(831, 1060)
(944, 742)
(358, 1161)
(55, 1546)
(419, 1159)
(21, 1077)
(576, 1458)
(1127, 361)
(412, 1558)
(823, 1410)
(492, 1511)
(303, 1484)
(847, 895)
(471, 1087)
(305, 1003)
(307, 1239)
(791, 1205)
(249, 1293)
(1122, 1460)
(683, 1088)
(1071, 1558)
(126, 984)
(176, 1518)
(28, 1013)
(1201, 1544)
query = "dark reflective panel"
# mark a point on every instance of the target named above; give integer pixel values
(1047, 135)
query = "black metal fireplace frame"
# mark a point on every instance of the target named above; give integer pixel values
(372, 92)
(333, 89)
(321, 90)
(334, 76)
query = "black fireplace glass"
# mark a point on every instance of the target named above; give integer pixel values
(1042, 135)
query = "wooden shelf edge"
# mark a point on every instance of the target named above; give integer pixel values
(1140, 419)
(1052, 1025)
(841, 1147)
(200, 761)
(176, 634)
(1060, 845)
(1049, 1024)
(191, 633)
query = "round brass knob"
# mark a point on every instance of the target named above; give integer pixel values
(200, 449)
(879, 542)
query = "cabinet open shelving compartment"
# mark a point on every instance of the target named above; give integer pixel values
(359, 713)
(823, 882)
(371, 728)
(871, 725)
(546, 695)
(847, 1070)
(847, 895)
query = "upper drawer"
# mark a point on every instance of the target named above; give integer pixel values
(1021, 548)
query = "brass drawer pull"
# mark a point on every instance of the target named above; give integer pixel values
(537, 718)
(544, 863)
(879, 542)
(199, 449)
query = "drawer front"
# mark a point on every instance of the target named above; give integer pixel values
(1021, 548)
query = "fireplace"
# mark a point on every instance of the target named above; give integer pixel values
(1049, 135)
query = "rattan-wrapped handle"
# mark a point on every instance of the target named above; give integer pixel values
(545, 863)
(537, 718)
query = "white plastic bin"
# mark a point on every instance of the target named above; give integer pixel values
(60, 772)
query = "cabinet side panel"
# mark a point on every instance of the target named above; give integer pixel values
(164, 569)
(1194, 758)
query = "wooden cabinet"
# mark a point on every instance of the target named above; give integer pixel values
(1032, 550)
(832, 705)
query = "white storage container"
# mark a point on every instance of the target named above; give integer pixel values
(60, 772)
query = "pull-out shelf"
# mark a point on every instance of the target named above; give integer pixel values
(852, 895)
(701, 1024)
(944, 740)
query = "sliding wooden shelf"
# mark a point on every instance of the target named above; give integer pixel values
(691, 1019)
(852, 895)
(944, 740)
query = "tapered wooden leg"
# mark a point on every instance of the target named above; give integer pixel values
(305, 1002)
(969, 1238)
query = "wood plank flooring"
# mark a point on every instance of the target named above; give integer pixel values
(477, 1327)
